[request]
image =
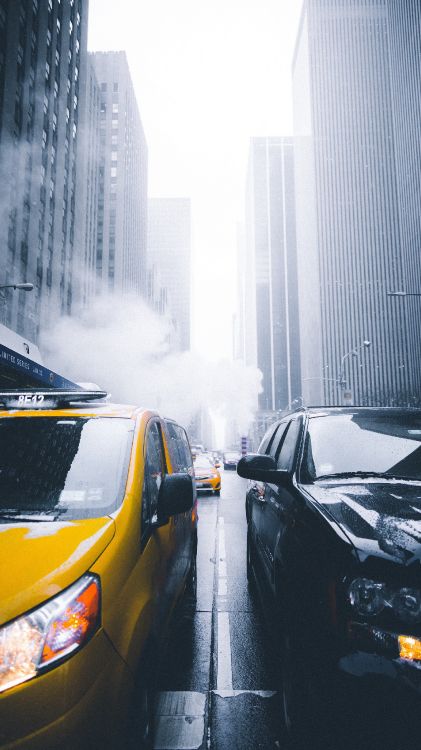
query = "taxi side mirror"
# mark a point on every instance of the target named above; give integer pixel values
(175, 495)
(262, 468)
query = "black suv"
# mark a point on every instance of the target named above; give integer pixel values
(334, 544)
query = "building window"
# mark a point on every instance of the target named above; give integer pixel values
(115, 107)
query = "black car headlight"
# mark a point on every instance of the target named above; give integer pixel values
(369, 598)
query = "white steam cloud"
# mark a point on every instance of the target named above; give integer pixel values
(125, 347)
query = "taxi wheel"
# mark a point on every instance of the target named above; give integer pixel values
(143, 702)
(191, 585)
(217, 492)
(143, 718)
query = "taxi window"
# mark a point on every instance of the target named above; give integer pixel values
(154, 470)
(179, 449)
(63, 468)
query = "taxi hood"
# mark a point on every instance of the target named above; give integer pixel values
(40, 559)
(381, 518)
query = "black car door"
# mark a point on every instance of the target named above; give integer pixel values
(277, 510)
(258, 493)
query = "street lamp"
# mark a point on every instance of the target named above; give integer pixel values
(403, 294)
(342, 383)
(24, 287)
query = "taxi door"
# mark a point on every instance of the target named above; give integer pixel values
(182, 462)
(166, 536)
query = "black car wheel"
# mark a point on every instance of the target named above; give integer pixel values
(308, 713)
(295, 696)
(217, 493)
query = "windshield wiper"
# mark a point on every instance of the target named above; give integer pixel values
(25, 518)
(366, 475)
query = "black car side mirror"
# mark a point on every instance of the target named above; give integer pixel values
(262, 468)
(175, 495)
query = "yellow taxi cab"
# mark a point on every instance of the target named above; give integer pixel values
(207, 475)
(98, 538)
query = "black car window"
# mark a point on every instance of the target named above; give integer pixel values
(154, 472)
(268, 437)
(274, 448)
(286, 456)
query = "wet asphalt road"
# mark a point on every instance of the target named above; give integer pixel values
(218, 687)
(219, 683)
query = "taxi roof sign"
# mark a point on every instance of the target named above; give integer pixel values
(31, 398)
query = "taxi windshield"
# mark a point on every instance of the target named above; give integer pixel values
(62, 468)
(202, 462)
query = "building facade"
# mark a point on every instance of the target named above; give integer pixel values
(270, 306)
(121, 242)
(169, 249)
(356, 84)
(42, 66)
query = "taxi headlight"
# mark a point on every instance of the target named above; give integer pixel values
(32, 643)
(369, 598)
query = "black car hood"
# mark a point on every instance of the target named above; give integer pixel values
(381, 518)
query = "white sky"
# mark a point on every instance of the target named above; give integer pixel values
(208, 75)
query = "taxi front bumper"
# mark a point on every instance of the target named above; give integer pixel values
(210, 483)
(83, 703)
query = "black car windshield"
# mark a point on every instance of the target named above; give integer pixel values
(62, 468)
(363, 444)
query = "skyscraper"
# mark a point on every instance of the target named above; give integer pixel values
(123, 173)
(356, 86)
(42, 64)
(270, 305)
(169, 249)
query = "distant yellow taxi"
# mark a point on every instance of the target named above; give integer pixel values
(98, 537)
(207, 475)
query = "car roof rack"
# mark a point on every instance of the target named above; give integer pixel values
(32, 398)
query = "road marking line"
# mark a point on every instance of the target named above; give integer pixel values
(222, 587)
(222, 569)
(224, 675)
(222, 552)
(234, 693)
